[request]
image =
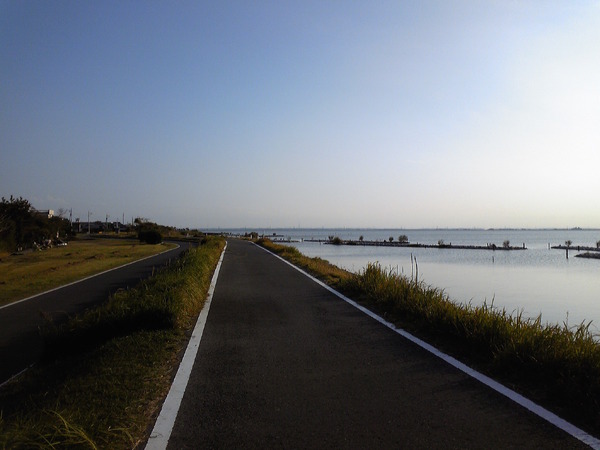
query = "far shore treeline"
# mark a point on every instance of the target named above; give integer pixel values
(23, 227)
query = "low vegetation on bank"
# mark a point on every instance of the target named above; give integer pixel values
(556, 365)
(318, 267)
(103, 373)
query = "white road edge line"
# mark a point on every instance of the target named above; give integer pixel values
(87, 278)
(159, 437)
(512, 395)
(15, 376)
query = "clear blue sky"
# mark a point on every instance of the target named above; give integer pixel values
(308, 113)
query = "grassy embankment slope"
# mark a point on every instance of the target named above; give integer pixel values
(555, 365)
(104, 373)
(30, 273)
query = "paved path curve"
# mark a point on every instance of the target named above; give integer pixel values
(20, 342)
(283, 363)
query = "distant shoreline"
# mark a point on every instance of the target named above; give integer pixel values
(264, 229)
(492, 247)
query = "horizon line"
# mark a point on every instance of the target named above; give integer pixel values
(405, 228)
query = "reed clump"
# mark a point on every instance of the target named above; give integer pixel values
(104, 372)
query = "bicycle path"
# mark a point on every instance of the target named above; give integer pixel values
(284, 363)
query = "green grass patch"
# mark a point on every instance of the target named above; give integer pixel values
(555, 365)
(23, 275)
(105, 373)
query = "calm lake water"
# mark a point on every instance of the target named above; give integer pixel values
(537, 281)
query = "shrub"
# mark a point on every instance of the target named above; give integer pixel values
(150, 236)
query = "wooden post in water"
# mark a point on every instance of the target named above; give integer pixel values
(416, 271)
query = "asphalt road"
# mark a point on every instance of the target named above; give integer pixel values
(283, 363)
(20, 342)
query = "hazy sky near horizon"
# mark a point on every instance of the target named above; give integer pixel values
(310, 113)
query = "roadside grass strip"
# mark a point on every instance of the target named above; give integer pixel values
(105, 372)
(12, 303)
(538, 410)
(159, 437)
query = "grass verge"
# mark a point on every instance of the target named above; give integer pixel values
(320, 268)
(23, 275)
(555, 365)
(104, 373)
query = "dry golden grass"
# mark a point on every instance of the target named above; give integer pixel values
(33, 272)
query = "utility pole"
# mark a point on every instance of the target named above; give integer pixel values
(89, 227)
